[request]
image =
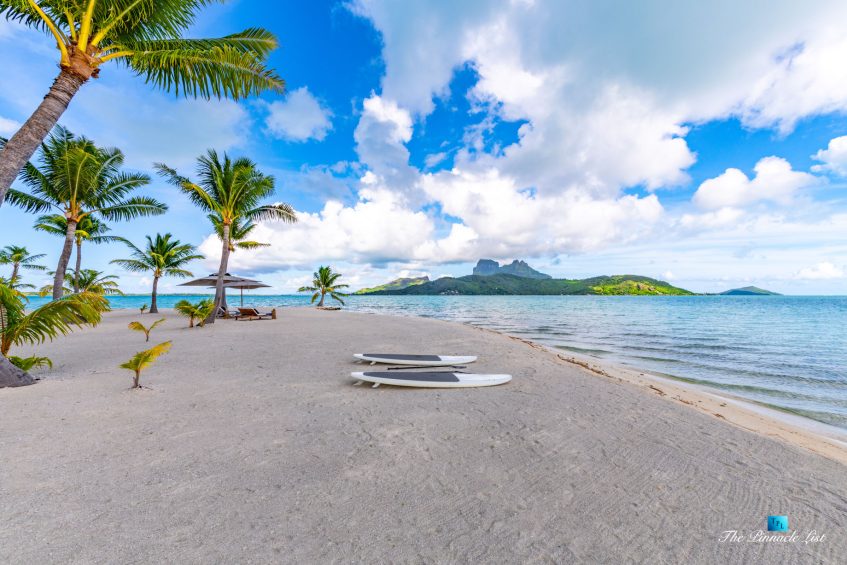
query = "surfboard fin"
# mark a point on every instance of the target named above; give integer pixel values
(375, 385)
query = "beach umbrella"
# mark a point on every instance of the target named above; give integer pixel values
(245, 284)
(212, 280)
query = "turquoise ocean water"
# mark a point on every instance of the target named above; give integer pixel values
(787, 352)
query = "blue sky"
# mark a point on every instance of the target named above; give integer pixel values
(702, 145)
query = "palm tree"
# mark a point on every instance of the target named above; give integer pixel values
(88, 229)
(80, 179)
(324, 283)
(197, 311)
(163, 256)
(19, 258)
(89, 280)
(47, 322)
(145, 36)
(144, 359)
(139, 327)
(239, 231)
(231, 192)
(96, 282)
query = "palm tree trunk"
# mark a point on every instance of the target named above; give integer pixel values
(15, 268)
(23, 144)
(64, 258)
(78, 265)
(136, 379)
(321, 303)
(219, 285)
(12, 376)
(153, 308)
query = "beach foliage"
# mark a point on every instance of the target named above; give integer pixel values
(89, 229)
(144, 36)
(195, 310)
(144, 308)
(20, 258)
(60, 317)
(231, 192)
(88, 280)
(163, 256)
(76, 179)
(325, 281)
(144, 359)
(139, 327)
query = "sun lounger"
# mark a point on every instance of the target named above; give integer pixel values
(253, 314)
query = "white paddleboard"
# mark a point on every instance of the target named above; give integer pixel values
(418, 360)
(441, 379)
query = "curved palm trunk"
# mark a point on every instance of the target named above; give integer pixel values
(219, 285)
(12, 376)
(15, 269)
(64, 258)
(78, 265)
(321, 303)
(23, 144)
(153, 308)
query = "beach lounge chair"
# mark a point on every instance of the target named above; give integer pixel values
(253, 314)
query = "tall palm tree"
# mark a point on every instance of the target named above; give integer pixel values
(145, 36)
(19, 258)
(88, 229)
(323, 283)
(163, 256)
(230, 191)
(239, 231)
(17, 326)
(80, 179)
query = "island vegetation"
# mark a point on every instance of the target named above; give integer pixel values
(503, 284)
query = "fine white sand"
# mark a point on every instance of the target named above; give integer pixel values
(252, 446)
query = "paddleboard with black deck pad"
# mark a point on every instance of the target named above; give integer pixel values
(437, 379)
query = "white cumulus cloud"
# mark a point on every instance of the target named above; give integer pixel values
(834, 158)
(774, 181)
(300, 117)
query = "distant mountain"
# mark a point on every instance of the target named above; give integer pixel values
(750, 291)
(501, 284)
(518, 268)
(396, 284)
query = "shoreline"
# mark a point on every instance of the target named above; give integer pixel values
(818, 437)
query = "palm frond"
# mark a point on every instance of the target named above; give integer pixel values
(30, 363)
(226, 67)
(30, 204)
(134, 207)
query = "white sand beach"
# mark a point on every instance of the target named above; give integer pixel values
(251, 445)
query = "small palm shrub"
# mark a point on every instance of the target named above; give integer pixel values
(144, 359)
(195, 311)
(139, 327)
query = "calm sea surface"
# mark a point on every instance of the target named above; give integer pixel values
(786, 352)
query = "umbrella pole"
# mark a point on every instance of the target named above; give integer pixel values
(242, 298)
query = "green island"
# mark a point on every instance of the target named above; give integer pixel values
(503, 284)
(396, 284)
